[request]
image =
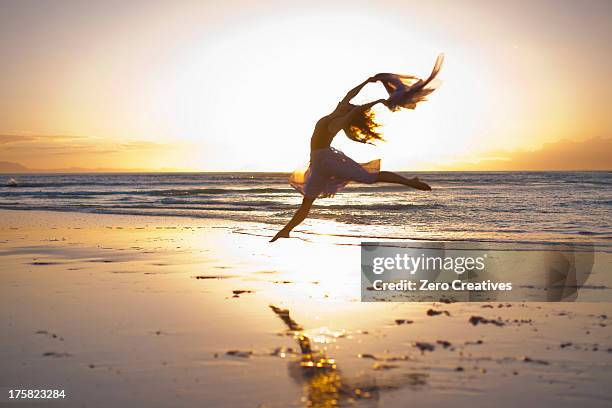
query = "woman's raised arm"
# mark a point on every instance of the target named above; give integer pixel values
(353, 92)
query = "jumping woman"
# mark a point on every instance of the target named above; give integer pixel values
(330, 170)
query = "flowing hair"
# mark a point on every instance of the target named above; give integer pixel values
(364, 128)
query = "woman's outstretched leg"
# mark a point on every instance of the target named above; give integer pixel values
(389, 177)
(298, 217)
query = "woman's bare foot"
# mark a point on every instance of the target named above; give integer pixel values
(280, 234)
(419, 185)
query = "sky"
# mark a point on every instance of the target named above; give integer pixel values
(239, 85)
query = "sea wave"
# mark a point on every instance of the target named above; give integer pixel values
(503, 205)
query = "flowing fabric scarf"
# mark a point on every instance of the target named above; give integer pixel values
(405, 91)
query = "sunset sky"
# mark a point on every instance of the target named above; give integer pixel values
(239, 85)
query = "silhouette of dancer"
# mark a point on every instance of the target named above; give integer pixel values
(330, 170)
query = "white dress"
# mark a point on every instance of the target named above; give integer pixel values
(329, 171)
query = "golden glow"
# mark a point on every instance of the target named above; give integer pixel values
(216, 89)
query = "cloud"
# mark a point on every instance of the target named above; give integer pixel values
(143, 145)
(590, 154)
(6, 139)
(65, 151)
(20, 138)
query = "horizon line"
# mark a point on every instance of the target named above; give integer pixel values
(119, 171)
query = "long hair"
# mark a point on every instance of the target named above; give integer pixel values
(364, 128)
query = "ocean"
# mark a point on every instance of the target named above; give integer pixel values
(480, 206)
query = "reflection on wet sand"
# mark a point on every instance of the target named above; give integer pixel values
(146, 308)
(324, 383)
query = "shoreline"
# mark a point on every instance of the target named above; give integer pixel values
(602, 246)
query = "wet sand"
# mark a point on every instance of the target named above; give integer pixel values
(151, 311)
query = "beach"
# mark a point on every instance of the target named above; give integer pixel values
(305, 204)
(173, 311)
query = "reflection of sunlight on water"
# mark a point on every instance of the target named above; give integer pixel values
(310, 277)
(314, 269)
(325, 335)
(324, 385)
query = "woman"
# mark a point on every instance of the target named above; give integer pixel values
(330, 170)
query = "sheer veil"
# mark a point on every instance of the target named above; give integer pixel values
(405, 91)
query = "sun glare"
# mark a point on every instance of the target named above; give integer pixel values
(255, 90)
(216, 87)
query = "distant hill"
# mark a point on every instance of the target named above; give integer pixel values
(10, 167)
